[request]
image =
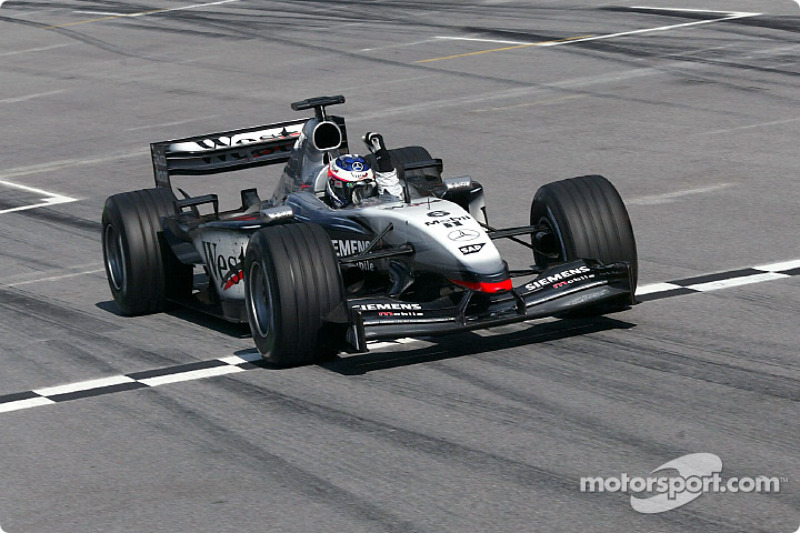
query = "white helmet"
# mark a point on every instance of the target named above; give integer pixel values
(349, 174)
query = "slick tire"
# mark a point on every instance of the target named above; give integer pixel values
(292, 283)
(142, 271)
(587, 219)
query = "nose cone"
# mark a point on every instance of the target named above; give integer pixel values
(449, 241)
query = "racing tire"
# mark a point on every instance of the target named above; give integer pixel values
(587, 220)
(292, 283)
(141, 268)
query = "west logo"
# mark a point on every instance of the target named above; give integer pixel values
(227, 269)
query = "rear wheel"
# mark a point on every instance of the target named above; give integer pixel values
(585, 218)
(141, 268)
(292, 284)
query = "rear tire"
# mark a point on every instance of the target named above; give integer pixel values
(292, 282)
(142, 271)
(587, 220)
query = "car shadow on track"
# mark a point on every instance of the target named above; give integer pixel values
(472, 344)
(239, 331)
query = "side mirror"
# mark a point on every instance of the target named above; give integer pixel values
(461, 183)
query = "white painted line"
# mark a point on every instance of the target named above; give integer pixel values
(51, 201)
(399, 45)
(572, 40)
(442, 37)
(239, 359)
(67, 163)
(194, 6)
(28, 188)
(656, 287)
(231, 362)
(51, 198)
(84, 385)
(29, 97)
(748, 127)
(737, 282)
(668, 197)
(24, 404)
(732, 15)
(547, 101)
(686, 10)
(373, 345)
(138, 14)
(54, 278)
(17, 52)
(777, 267)
(156, 11)
(738, 15)
(191, 375)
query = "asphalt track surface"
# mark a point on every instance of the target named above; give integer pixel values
(693, 116)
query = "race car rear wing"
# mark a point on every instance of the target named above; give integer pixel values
(229, 150)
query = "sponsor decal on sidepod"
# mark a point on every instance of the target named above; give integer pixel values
(228, 270)
(344, 247)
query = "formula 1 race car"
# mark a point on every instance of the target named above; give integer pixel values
(312, 280)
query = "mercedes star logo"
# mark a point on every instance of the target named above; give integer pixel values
(463, 235)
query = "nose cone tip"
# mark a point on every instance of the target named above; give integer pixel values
(482, 286)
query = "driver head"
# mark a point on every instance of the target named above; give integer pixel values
(349, 179)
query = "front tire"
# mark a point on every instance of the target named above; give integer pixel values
(586, 219)
(142, 271)
(292, 284)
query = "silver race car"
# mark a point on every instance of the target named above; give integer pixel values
(313, 280)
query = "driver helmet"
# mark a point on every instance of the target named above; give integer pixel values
(350, 178)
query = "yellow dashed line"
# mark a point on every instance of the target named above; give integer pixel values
(528, 45)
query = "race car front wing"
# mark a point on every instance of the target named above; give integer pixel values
(566, 287)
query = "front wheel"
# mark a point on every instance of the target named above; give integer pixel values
(292, 284)
(585, 218)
